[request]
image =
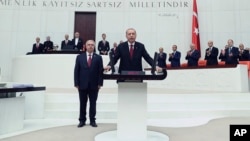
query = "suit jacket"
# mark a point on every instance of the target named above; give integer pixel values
(63, 44)
(48, 45)
(212, 58)
(244, 56)
(161, 62)
(85, 76)
(175, 60)
(113, 52)
(103, 47)
(134, 64)
(193, 58)
(38, 50)
(231, 59)
(79, 44)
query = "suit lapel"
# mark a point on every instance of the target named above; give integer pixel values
(85, 63)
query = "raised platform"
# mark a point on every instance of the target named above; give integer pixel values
(162, 105)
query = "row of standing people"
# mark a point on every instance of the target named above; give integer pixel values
(75, 44)
(231, 55)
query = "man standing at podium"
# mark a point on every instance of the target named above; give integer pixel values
(130, 54)
(88, 80)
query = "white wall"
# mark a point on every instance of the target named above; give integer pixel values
(156, 26)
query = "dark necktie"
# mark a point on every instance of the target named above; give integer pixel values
(89, 60)
(131, 51)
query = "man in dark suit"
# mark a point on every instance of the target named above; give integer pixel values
(193, 56)
(88, 80)
(103, 45)
(221, 57)
(77, 42)
(66, 42)
(231, 54)
(243, 53)
(48, 44)
(175, 57)
(131, 53)
(114, 49)
(211, 54)
(37, 47)
(162, 56)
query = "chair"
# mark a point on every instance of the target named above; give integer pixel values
(183, 65)
(202, 63)
(168, 65)
(221, 63)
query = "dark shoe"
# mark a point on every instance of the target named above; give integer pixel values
(81, 124)
(93, 124)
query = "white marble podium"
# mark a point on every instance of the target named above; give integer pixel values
(132, 116)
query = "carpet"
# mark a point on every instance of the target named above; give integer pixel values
(214, 130)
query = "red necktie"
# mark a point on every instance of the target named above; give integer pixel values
(89, 60)
(131, 51)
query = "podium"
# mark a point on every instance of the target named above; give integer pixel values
(132, 110)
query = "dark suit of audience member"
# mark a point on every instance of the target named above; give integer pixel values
(103, 45)
(175, 57)
(77, 42)
(211, 56)
(231, 55)
(88, 79)
(161, 62)
(192, 57)
(221, 57)
(48, 45)
(243, 53)
(66, 42)
(114, 49)
(37, 48)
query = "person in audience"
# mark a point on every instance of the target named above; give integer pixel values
(222, 52)
(37, 47)
(48, 44)
(88, 80)
(192, 56)
(211, 54)
(243, 53)
(130, 54)
(162, 56)
(114, 49)
(77, 42)
(121, 41)
(175, 57)
(103, 45)
(65, 42)
(231, 54)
